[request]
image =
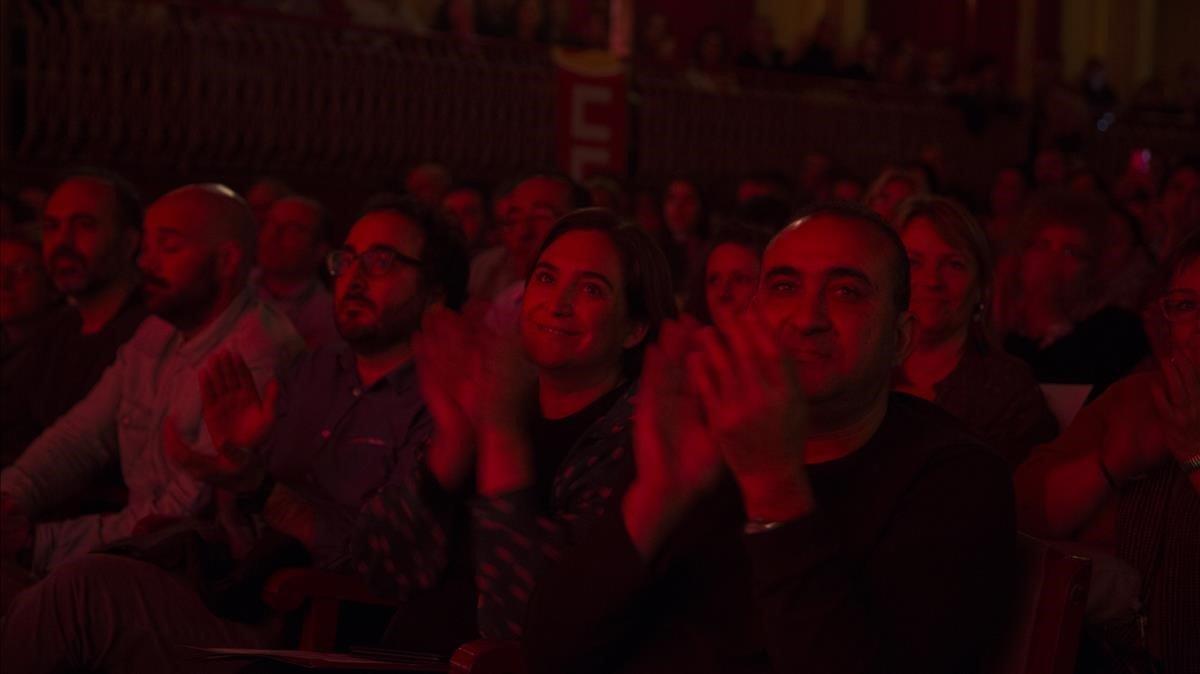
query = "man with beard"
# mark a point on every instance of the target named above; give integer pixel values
(348, 419)
(195, 260)
(91, 227)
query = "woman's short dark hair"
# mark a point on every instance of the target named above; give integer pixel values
(648, 289)
(444, 263)
(737, 233)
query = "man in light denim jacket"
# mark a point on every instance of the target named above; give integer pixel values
(195, 260)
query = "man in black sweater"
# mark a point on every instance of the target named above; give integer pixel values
(790, 513)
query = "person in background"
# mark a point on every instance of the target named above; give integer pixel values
(28, 302)
(1049, 169)
(892, 187)
(763, 184)
(1126, 267)
(1052, 322)
(264, 192)
(953, 361)
(91, 230)
(1176, 214)
(536, 203)
(428, 183)
(27, 297)
(1010, 191)
(726, 283)
(685, 221)
(761, 51)
(292, 243)
(195, 262)
(1123, 480)
(468, 207)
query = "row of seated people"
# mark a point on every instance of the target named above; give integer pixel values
(777, 495)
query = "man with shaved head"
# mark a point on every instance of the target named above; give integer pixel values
(91, 229)
(292, 243)
(789, 512)
(197, 248)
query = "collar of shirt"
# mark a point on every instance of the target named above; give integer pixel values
(401, 379)
(198, 347)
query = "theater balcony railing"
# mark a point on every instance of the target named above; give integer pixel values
(184, 87)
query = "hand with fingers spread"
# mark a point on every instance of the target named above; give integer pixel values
(676, 457)
(447, 360)
(238, 420)
(756, 414)
(1176, 396)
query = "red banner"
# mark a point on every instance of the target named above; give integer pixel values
(592, 115)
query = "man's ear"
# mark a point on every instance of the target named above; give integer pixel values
(905, 328)
(230, 258)
(637, 333)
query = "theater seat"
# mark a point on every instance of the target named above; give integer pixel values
(1046, 615)
(320, 595)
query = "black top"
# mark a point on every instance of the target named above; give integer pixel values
(904, 566)
(1100, 350)
(56, 370)
(552, 439)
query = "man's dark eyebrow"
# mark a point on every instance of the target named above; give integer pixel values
(782, 270)
(850, 272)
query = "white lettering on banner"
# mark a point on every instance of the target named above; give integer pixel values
(583, 95)
(582, 156)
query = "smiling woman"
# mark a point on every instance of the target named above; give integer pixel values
(548, 445)
(953, 362)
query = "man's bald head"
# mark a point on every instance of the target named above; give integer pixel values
(211, 212)
(196, 253)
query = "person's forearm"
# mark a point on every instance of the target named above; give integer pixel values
(449, 458)
(1055, 500)
(777, 497)
(505, 462)
(650, 514)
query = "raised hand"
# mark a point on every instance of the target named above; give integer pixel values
(756, 414)
(448, 366)
(676, 457)
(234, 413)
(1176, 397)
(238, 421)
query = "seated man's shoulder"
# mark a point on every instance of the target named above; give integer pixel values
(151, 336)
(263, 330)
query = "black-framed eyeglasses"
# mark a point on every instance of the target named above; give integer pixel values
(376, 261)
(1181, 307)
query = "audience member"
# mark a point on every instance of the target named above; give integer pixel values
(685, 221)
(861, 530)
(496, 276)
(892, 187)
(547, 448)
(27, 298)
(760, 52)
(1125, 267)
(428, 184)
(263, 193)
(347, 420)
(1052, 322)
(764, 184)
(1124, 479)
(953, 361)
(467, 206)
(726, 282)
(710, 71)
(91, 228)
(195, 261)
(292, 243)
(1177, 213)
(1049, 169)
(1008, 196)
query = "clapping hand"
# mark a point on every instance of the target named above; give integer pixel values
(238, 420)
(448, 365)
